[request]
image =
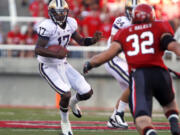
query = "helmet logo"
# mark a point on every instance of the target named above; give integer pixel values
(141, 14)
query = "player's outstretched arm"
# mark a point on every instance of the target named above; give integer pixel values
(103, 57)
(88, 40)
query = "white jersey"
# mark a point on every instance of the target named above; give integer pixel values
(60, 75)
(56, 35)
(118, 67)
(119, 23)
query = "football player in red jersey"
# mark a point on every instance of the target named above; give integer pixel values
(144, 44)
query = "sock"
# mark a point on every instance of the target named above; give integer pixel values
(122, 106)
(74, 99)
(172, 116)
(64, 116)
(149, 131)
(173, 120)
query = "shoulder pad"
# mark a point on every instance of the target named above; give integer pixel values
(72, 23)
(121, 22)
(45, 28)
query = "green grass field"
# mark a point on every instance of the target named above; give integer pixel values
(26, 114)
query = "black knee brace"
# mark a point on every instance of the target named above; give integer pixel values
(84, 96)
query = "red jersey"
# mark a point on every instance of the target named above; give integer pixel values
(141, 44)
(93, 23)
(105, 28)
(16, 37)
(30, 40)
(39, 9)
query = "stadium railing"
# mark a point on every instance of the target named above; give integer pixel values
(70, 48)
(168, 55)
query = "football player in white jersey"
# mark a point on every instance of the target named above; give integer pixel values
(61, 76)
(118, 68)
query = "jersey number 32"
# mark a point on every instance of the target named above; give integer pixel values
(147, 39)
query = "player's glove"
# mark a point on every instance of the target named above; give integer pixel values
(87, 67)
(97, 36)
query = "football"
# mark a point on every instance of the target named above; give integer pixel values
(60, 50)
(56, 48)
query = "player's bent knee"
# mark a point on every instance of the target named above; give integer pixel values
(85, 96)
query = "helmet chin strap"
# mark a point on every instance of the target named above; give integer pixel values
(62, 23)
(59, 23)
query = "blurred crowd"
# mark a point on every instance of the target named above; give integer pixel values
(91, 15)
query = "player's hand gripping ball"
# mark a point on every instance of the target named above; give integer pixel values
(60, 51)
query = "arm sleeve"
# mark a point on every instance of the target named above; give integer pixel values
(165, 27)
(117, 36)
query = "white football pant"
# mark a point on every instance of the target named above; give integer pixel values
(62, 77)
(118, 68)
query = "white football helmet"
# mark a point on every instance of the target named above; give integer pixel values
(58, 11)
(129, 5)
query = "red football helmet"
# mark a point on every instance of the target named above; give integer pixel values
(143, 13)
